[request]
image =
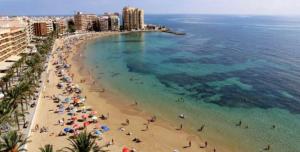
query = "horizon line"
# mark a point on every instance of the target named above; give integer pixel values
(216, 14)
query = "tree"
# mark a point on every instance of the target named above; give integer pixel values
(84, 142)
(12, 142)
(47, 148)
(6, 111)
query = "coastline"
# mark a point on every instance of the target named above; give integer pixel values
(159, 137)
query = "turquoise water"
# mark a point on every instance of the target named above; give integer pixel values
(227, 68)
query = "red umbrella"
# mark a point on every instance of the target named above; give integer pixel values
(84, 116)
(74, 118)
(76, 126)
(125, 149)
(86, 123)
(76, 100)
(93, 112)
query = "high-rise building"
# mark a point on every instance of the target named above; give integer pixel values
(42, 26)
(133, 18)
(103, 22)
(60, 26)
(30, 29)
(17, 22)
(40, 29)
(114, 23)
(13, 41)
(84, 22)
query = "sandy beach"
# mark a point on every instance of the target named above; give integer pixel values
(159, 136)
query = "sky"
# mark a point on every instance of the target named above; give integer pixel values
(67, 7)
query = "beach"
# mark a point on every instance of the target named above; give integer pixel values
(126, 121)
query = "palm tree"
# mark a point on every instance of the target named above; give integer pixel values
(12, 142)
(84, 142)
(7, 80)
(6, 111)
(47, 148)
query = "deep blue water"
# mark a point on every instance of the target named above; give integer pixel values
(226, 68)
(272, 44)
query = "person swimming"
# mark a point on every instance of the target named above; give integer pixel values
(239, 123)
(181, 116)
(268, 147)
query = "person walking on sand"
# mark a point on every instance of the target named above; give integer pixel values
(180, 127)
(127, 121)
(190, 143)
(147, 127)
(201, 128)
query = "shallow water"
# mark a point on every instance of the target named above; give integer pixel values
(226, 69)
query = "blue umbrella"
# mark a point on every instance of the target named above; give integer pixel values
(67, 129)
(97, 132)
(104, 128)
(67, 100)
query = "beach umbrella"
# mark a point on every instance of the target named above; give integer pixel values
(82, 99)
(76, 126)
(74, 118)
(61, 110)
(94, 118)
(67, 100)
(104, 128)
(77, 100)
(84, 116)
(125, 149)
(93, 112)
(98, 132)
(86, 123)
(74, 110)
(67, 129)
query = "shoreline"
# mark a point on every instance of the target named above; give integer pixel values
(115, 98)
(159, 137)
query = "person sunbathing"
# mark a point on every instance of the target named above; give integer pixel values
(61, 133)
(136, 140)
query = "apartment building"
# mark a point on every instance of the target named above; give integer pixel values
(84, 22)
(114, 23)
(42, 26)
(40, 29)
(13, 41)
(133, 18)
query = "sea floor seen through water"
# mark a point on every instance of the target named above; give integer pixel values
(226, 69)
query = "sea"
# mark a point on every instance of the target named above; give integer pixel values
(238, 76)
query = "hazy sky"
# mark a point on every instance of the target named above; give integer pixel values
(56, 7)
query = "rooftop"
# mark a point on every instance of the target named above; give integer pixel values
(5, 65)
(2, 75)
(13, 58)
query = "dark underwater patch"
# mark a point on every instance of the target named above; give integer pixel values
(263, 95)
(178, 60)
(140, 67)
